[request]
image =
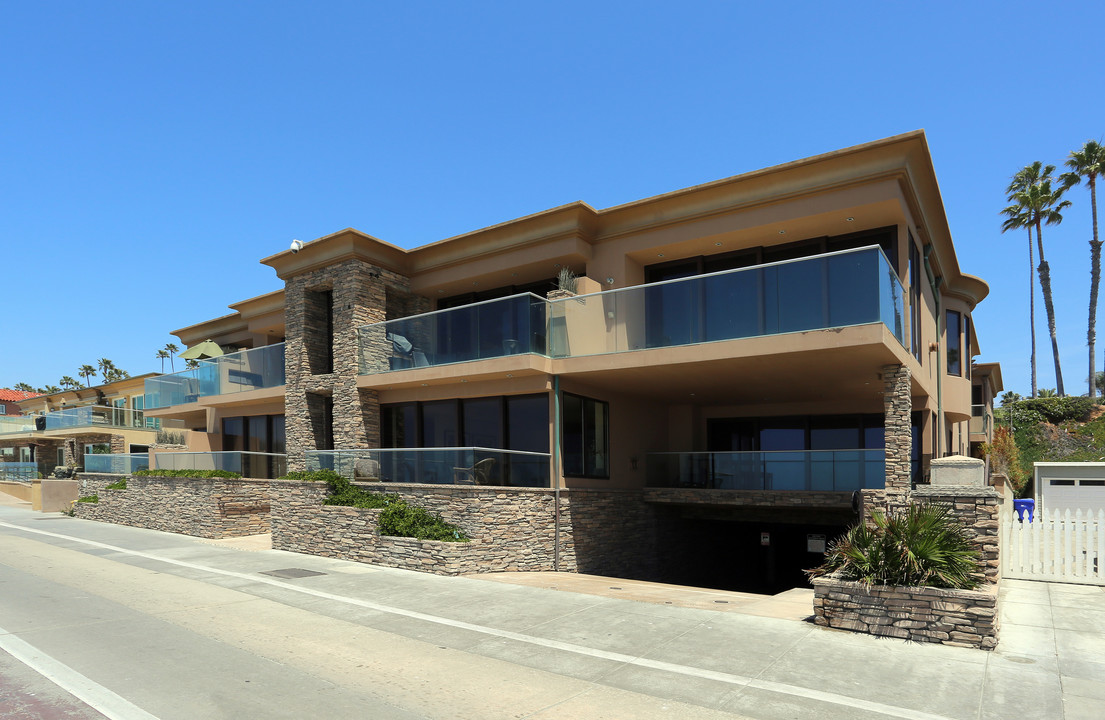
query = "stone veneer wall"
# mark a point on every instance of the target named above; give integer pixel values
(512, 529)
(964, 618)
(204, 507)
(977, 508)
(897, 410)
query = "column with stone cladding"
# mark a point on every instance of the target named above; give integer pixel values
(358, 292)
(897, 409)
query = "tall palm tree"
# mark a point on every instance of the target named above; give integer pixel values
(1017, 217)
(1089, 162)
(69, 383)
(162, 355)
(25, 387)
(104, 364)
(49, 390)
(1031, 189)
(86, 371)
(172, 350)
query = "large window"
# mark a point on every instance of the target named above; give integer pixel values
(586, 437)
(256, 434)
(514, 422)
(955, 342)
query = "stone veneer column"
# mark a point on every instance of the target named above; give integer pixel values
(897, 408)
(359, 294)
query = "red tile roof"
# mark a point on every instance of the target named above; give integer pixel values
(15, 395)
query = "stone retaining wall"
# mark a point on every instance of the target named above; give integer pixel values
(964, 618)
(512, 529)
(977, 510)
(203, 507)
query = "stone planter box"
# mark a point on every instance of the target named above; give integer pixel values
(963, 618)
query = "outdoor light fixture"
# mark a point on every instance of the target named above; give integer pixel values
(296, 246)
(849, 219)
(609, 281)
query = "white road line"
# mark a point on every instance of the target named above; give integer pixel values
(742, 680)
(92, 694)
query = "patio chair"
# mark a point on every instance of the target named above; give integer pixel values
(478, 474)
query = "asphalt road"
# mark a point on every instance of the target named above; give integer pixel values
(122, 622)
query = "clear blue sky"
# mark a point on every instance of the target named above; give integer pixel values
(152, 153)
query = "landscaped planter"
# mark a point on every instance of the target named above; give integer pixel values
(964, 618)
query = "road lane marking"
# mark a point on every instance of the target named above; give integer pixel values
(729, 678)
(96, 696)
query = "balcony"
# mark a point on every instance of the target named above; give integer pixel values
(491, 329)
(788, 471)
(238, 372)
(854, 287)
(834, 290)
(88, 416)
(246, 464)
(18, 471)
(437, 466)
(981, 420)
(116, 463)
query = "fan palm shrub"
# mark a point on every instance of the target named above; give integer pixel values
(921, 546)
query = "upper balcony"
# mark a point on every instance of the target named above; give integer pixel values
(229, 374)
(834, 290)
(83, 418)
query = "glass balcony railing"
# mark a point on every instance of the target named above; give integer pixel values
(92, 416)
(491, 329)
(247, 464)
(437, 466)
(254, 369)
(854, 287)
(16, 424)
(807, 470)
(117, 463)
(21, 471)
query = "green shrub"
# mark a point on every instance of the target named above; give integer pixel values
(923, 545)
(120, 485)
(89, 499)
(402, 520)
(326, 476)
(343, 492)
(187, 473)
(1052, 410)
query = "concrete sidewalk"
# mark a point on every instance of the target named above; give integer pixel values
(639, 658)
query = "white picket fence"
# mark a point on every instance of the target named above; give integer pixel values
(1057, 546)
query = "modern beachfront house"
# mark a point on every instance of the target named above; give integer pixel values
(738, 357)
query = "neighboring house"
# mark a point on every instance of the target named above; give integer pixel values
(746, 353)
(1070, 486)
(61, 428)
(10, 399)
(985, 387)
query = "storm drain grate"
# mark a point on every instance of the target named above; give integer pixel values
(291, 573)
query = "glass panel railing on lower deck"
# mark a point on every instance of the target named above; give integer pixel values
(242, 371)
(247, 464)
(437, 466)
(21, 471)
(800, 470)
(117, 463)
(853, 287)
(491, 329)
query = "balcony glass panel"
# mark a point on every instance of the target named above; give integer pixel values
(243, 371)
(437, 466)
(118, 463)
(248, 464)
(16, 424)
(853, 287)
(809, 470)
(94, 416)
(496, 328)
(18, 471)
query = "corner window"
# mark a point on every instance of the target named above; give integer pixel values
(955, 343)
(586, 437)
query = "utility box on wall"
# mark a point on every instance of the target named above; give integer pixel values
(1070, 486)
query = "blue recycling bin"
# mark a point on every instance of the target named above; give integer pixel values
(1022, 505)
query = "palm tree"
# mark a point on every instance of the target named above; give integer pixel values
(1088, 163)
(172, 350)
(69, 383)
(1048, 392)
(104, 364)
(162, 355)
(86, 371)
(191, 364)
(25, 387)
(49, 390)
(1018, 218)
(1031, 189)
